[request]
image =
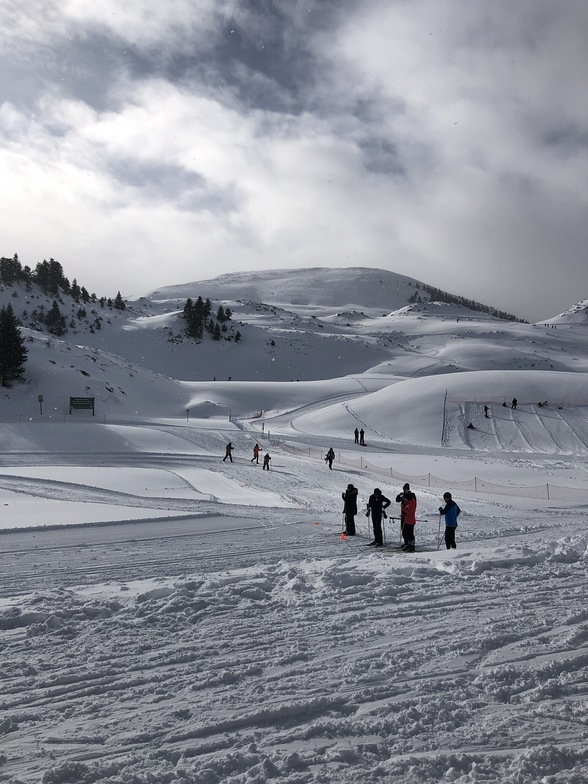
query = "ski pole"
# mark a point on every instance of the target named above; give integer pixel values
(384, 515)
(439, 533)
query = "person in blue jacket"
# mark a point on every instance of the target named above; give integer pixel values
(451, 511)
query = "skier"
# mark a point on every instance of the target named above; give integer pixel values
(228, 452)
(356, 435)
(377, 504)
(514, 403)
(451, 511)
(329, 457)
(408, 505)
(256, 450)
(266, 461)
(361, 435)
(486, 409)
(350, 509)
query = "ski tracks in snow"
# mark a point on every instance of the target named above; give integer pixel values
(306, 670)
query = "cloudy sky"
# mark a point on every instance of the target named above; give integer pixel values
(148, 143)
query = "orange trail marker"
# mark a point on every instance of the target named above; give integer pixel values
(342, 537)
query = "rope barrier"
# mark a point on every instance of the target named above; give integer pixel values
(546, 492)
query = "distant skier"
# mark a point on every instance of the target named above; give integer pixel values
(329, 457)
(408, 504)
(361, 436)
(376, 506)
(256, 451)
(349, 509)
(514, 403)
(486, 410)
(451, 511)
(228, 452)
(356, 435)
(266, 462)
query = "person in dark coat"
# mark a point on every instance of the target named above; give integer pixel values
(329, 457)
(356, 435)
(377, 504)
(228, 452)
(266, 462)
(514, 403)
(361, 437)
(451, 511)
(350, 509)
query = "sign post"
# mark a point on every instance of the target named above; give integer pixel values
(40, 400)
(86, 403)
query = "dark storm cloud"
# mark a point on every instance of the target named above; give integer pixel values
(158, 183)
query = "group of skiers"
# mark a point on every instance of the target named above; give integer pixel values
(376, 508)
(229, 449)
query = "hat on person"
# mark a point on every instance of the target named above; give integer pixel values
(406, 486)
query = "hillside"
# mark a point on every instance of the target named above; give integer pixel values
(140, 364)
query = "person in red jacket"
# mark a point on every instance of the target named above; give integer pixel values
(408, 505)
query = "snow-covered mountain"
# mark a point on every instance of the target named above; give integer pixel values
(141, 364)
(330, 288)
(577, 314)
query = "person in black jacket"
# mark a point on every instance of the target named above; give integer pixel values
(377, 504)
(350, 509)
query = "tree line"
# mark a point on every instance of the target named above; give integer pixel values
(200, 320)
(438, 295)
(49, 277)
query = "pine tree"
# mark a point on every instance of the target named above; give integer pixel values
(55, 321)
(49, 276)
(13, 352)
(119, 302)
(10, 269)
(75, 290)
